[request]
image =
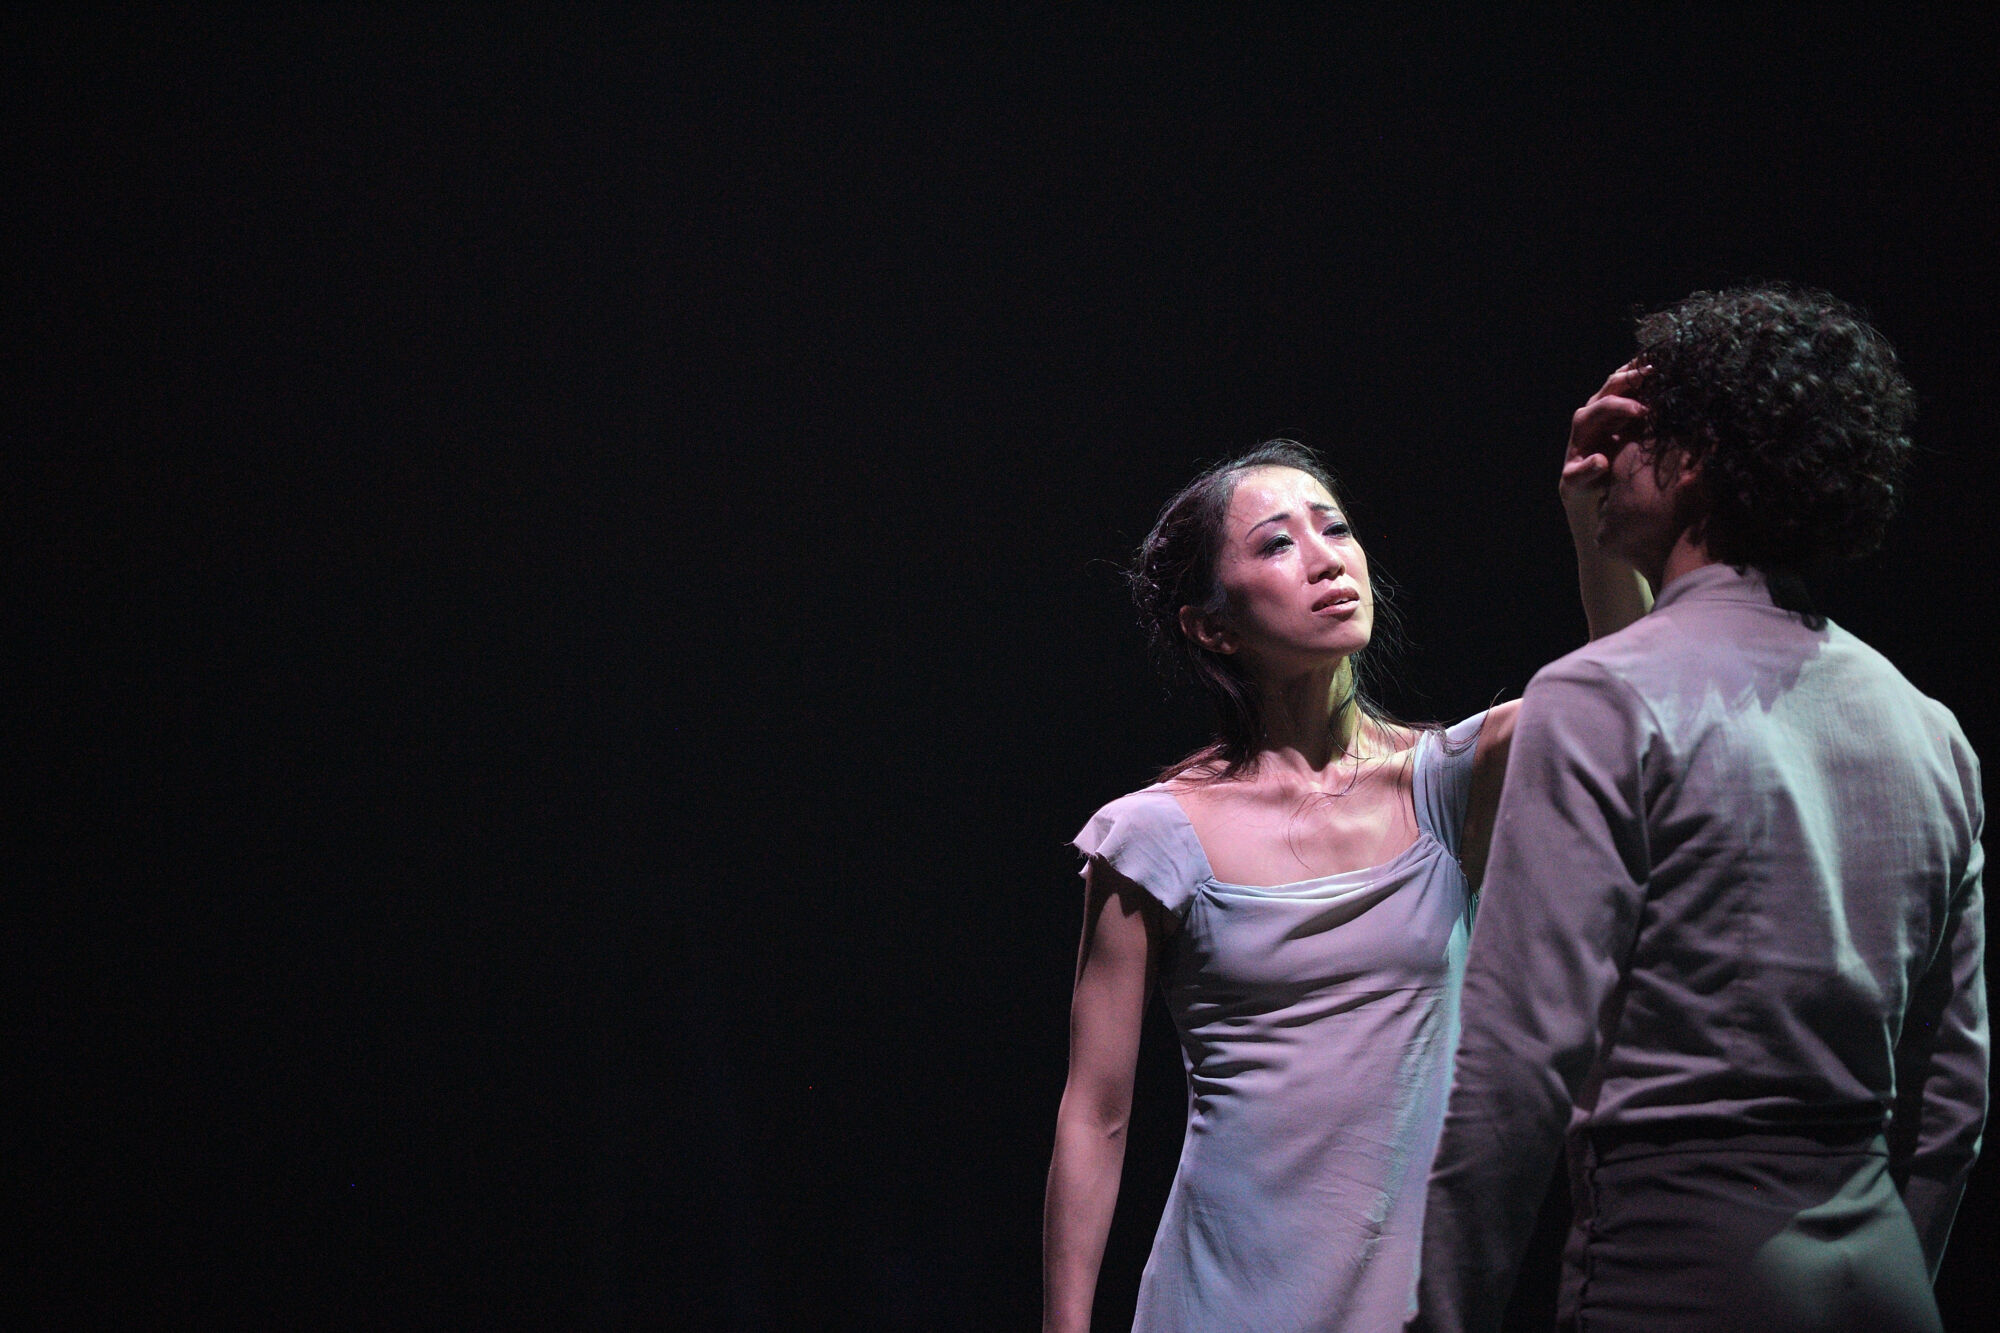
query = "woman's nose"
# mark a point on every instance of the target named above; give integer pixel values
(1325, 559)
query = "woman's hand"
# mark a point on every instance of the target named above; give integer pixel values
(1614, 595)
(1610, 420)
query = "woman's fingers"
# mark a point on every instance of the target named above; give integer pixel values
(1597, 431)
(1610, 410)
(1621, 381)
(1584, 474)
(1598, 421)
(1615, 405)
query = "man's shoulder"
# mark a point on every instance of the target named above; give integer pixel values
(1676, 666)
(1876, 672)
(1649, 644)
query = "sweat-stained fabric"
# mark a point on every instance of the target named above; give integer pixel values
(1734, 887)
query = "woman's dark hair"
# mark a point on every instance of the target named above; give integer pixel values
(1175, 567)
(1797, 414)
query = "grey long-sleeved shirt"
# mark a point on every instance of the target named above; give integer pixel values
(1735, 876)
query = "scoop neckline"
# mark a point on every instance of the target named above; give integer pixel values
(1375, 871)
(1424, 835)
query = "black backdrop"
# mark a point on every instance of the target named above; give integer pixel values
(563, 599)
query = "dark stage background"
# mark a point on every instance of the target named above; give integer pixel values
(564, 601)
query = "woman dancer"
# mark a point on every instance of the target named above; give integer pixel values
(1300, 889)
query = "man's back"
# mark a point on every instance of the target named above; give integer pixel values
(1732, 907)
(1733, 928)
(1805, 821)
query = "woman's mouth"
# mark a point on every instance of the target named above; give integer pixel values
(1343, 603)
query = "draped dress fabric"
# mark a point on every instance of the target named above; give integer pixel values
(1317, 1021)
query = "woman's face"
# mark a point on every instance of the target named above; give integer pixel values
(1294, 578)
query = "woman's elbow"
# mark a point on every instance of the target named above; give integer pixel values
(1096, 1111)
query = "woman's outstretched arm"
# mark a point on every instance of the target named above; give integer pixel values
(1114, 969)
(1614, 594)
(1489, 772)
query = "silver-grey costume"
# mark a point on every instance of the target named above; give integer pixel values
(1316, 1022)
(1731, 943)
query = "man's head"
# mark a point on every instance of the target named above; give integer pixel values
(1792, 415)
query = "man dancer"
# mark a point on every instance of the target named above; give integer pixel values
(1731, 933)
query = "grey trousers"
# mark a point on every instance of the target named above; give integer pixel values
(1757, 1233)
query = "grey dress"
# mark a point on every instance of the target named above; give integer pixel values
(1317, 1021)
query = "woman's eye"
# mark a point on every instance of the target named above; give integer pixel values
(1336, 529)
(1277, 543)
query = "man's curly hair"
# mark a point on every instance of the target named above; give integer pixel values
(1797, 414)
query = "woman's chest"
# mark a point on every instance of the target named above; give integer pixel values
(1290, 836)
(1402, 929)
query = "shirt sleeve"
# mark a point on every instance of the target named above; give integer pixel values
(1564, 885)
(1146, 838)
(1941, 1059)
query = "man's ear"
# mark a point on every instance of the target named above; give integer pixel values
(1208, 631)
(1682, 477)
(1682, 474)
(1674, 466)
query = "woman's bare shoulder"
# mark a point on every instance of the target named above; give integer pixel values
(1201, 786)
(1390, 740)
(1496, 735)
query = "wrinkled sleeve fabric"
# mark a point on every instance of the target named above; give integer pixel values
(1942, 1055)
(1147, 838)
(1564, 884)
(1443, 787)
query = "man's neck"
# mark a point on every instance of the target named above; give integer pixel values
(1688, 554)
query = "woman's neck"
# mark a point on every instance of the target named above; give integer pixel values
(1312, 722)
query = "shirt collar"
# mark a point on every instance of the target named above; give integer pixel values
(1716, 583)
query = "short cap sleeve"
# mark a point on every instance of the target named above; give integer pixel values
(1444, 779)
(1146, 838)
